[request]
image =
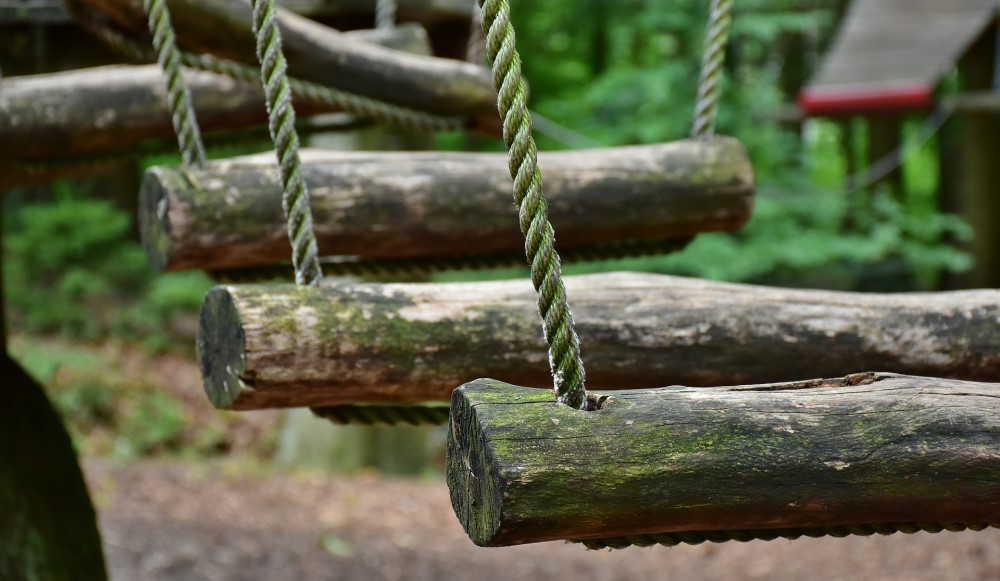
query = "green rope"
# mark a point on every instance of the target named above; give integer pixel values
(746, 535)
(361, 106)
(385, 415)
(385, 14)
(178, 93)
(557, 321)
(281, 116)
(316, 93)
(714, 56)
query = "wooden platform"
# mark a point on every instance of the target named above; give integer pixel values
(891, 54)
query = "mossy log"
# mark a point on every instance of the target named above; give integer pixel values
(323, 55)
(266, 346)
(402, 205)
(868, 449)
(113, 108)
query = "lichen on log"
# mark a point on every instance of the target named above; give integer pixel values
(871, 448)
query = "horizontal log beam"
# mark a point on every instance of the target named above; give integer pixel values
(113, 108)
(323, 55)
(403, 205)
(421, 10)
(869, 449)
(264, 346)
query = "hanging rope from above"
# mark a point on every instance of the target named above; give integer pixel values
(178, 93)
(278, 93)
(546, 273)
(385, 14)
(714, 57)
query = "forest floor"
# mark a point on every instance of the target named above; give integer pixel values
(227, 521)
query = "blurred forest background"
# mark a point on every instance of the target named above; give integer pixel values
(107, 335)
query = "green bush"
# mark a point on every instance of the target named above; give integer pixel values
(70, 268)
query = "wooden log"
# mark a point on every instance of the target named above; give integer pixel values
(323, 55)
(393, 205)
(113, 108)
(279, 346)
(421, 10)
(868, 449)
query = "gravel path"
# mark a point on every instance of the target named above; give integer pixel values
(173, 521)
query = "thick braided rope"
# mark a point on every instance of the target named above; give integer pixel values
(710, 82)
(557, 322)
(385, 415)
(178, 93)
(385, 14)
(361, 106)
(281, 114)
(316, 93)
(477, 38)
(746, 535)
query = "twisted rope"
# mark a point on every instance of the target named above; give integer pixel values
(178, 93)
(557, 321)
(743, 536)
(385, 14)
(710, 83)
(474, 49)
(281, 116)
(361, 106)
(385, 415)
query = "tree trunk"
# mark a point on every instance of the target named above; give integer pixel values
(323, 55)
(264, 346)
(772, 460)
(390, 205)
(48, 525)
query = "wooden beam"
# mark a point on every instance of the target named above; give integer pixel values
(113, 108)
(392, 205)
(266, 346)
(323, 55)
(415, 9)
(868, 449)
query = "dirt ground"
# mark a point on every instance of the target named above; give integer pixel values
(175, 521)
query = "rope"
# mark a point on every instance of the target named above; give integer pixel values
(710, 82)
(474, 49)
(557, 321)
(386, 415)
(281, 116)
(743, 536)
(385, 14)
(361, 106)
(178, 93)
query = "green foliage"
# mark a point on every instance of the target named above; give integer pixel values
(70, 268)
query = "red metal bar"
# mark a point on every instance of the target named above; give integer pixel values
(831, 101)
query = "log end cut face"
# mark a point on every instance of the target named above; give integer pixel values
(477, 501)
(221, 343)
(154, 220)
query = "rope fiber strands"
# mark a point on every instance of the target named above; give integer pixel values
(385, 14)
(557, 321)
(178, 93)
(710, 81)
(281, 114)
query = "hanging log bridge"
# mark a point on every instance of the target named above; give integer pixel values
(395, 205)
(323, 55)
(263, 346)
(866, 453)
(116, 107)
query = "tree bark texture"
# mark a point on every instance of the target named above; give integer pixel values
(323, 55)
(47, 522)
(871, 448)
(392, 205)
(264, 346)
(113, 108)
